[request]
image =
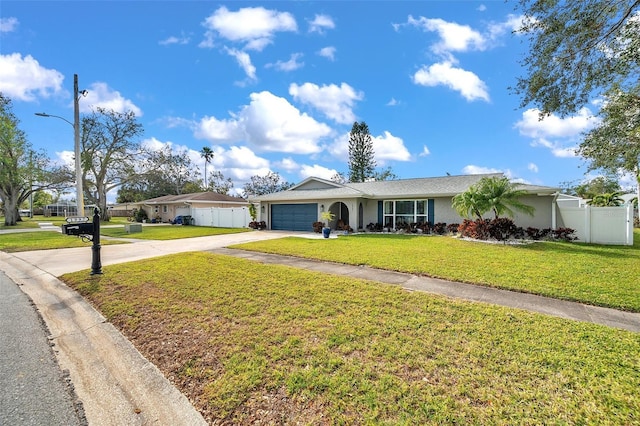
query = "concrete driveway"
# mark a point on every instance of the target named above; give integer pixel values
(62, 261)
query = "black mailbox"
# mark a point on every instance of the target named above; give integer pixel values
(78, 228)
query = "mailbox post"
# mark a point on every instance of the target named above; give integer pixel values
(87, 231)
(96, 263)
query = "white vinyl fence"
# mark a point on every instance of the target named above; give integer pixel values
(600, 225)
(236, 217)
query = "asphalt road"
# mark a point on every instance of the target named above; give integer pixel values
(33, 389)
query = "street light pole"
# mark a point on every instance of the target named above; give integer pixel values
(76, 141)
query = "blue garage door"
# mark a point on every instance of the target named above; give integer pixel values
(293, 217)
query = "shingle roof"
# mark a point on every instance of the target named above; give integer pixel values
(443, 186)
(194, 197)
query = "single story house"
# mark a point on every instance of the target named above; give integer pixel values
(167, 207)
(391, 203)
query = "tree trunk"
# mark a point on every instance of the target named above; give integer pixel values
(11, 213)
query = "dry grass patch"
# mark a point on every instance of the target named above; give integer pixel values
(250, 343)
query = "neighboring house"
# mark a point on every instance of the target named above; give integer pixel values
(390, 203)
(167, 207)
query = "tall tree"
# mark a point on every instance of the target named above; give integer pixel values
(218, 183)
(385, 174)
(111, 153)
(260, 185)
(361, 155)
(207, 154)
(614, 145)
(174, 168)
(592, 187)
(23, 171)
(578, 50)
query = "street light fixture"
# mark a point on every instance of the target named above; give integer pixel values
(76, 140)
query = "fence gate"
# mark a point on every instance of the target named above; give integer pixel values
(600, 225)
(235, 217)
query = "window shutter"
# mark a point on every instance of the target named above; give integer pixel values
(430, 211)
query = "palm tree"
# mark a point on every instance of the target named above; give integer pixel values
(497, 194)
(468, 203)
(612, 199)
(207, 154)
(503, 196)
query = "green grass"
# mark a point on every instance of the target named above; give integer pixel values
(55, 220)
(169, 232)
(252, 342)
(42, 240)
(593, 274)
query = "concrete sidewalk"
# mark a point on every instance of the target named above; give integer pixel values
(529, 302)
(119, 386)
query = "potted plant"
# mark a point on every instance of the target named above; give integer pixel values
(328, 217)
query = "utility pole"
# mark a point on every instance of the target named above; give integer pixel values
(76, 140)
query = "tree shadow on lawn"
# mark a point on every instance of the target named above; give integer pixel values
(586, 249)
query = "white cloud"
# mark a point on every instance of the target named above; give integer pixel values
(425, 151)
(558, 135)
(328, 52)
(8, 25)
(335, 102)
(556, 148)
(453, 37)
(553, 126)
(25, 79)
(533, 167)
(478, 170)
(386, 147)
(316, 171)
(244, 60)
(291, 65)
(100, 95)
(268, 123)
(393, 102)
(287, 164)
(254, 26)
(239, 163)
(174, 40)
(465, 82)
(320, 23)
(481, 8)
(511, 25)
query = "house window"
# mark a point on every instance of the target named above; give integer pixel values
(164, 209)
(398, 214)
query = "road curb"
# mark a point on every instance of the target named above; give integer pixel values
(115, 383)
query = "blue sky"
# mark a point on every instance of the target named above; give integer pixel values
(277, 85)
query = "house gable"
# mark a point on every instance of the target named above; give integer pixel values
(314, 183)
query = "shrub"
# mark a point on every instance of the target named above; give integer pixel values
(502, 228)
(440, 228)
(374, 227)
(140, 215)
(452, 228)
(478, 230)
(564, 234)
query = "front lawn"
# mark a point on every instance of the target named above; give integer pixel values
(249, 343)
(43, 240)
(168, 232)
(593, 274)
